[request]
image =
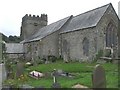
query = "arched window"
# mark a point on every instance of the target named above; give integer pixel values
(85, 46)
(95, 44)
(65, 45)
(111, 37)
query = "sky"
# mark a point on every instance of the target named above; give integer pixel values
(12, 11)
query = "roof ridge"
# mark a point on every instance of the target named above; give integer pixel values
(93, 9)
(83, 18)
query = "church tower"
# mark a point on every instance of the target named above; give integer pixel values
(31, 24)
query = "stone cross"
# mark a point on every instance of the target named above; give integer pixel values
(54, 76)
(55, 83)
(98, 77)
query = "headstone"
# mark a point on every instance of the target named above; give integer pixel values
(20, 69)
(98, 78)
(0, 47)
(2, 74)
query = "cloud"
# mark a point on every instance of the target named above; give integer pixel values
(12, 11)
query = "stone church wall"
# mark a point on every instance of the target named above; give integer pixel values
(31, 24)
(75, 40)
(72, 43)
(42, 48)
(108, 17)
(96, 37)
(50, 45)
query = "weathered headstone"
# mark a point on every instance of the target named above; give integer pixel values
(0, 61)
(0, 47)
(20, 69)
(98, 77)
(2, 74)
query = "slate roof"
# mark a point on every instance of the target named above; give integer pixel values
(43, 32)
(86, 20)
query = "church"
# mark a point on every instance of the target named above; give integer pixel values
(80, 37)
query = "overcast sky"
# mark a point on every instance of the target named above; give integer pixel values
(12, 11)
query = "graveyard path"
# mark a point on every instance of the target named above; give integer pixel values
(0, 76)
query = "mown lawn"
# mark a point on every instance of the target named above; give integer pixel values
(82, 72)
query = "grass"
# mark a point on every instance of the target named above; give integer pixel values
(82, 72)
(68, 67)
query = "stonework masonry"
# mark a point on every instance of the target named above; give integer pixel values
(82, 43)
(30, 24)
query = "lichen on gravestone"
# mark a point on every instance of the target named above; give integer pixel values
(99, 77)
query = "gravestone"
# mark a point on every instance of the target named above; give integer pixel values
(98, 77)
(3, 75)
(20, 69)
(0, 47)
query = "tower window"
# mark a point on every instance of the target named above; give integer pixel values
(85, 46)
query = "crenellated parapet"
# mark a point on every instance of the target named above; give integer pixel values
(31, 23)
(35, 17)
